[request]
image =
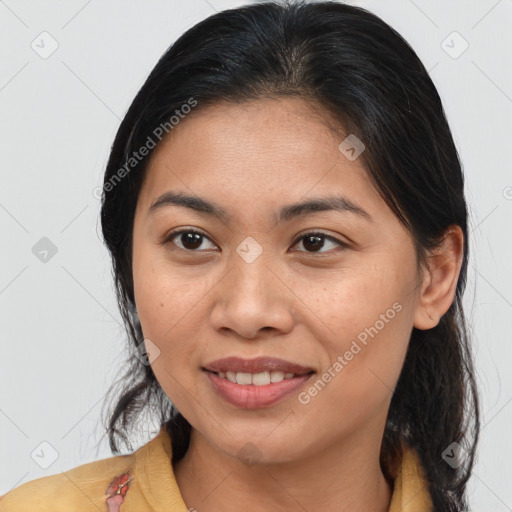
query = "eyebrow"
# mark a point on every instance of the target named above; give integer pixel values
(286, 213)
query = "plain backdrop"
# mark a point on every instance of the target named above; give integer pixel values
(69, 70)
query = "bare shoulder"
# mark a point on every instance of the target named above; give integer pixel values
(82, 488)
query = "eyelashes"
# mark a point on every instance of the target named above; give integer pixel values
(197, 237)
(318, 235)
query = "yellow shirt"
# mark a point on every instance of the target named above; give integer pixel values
(152, 486)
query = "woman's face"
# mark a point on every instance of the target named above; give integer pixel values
(331, 290)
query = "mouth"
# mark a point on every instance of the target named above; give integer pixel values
(256, 379)
(255, 383)
(256, 366)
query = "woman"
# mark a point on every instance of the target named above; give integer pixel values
(285, 211)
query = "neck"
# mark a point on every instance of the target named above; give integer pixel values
(345, 477)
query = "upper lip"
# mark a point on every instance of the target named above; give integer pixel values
(257, 365)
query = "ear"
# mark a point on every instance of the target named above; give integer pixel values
(440, 279)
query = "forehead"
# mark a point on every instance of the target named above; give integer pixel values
(267, 151)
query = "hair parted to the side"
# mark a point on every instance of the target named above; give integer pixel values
(366, 76)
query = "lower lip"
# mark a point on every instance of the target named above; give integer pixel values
(249, 396)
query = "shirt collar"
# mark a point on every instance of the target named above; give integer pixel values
(155, 476)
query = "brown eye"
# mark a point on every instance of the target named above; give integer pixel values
(187, 239)
(315, 242)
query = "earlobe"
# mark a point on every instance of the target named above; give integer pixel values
(440, 279)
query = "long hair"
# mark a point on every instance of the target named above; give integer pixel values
(365, 75)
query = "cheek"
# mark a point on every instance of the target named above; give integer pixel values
(172, 305)
(168, 311)
(364, 320)
(343, 304)
(165, 295)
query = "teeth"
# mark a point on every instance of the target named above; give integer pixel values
(276, 376)
(257, 379)
(261, 379)
(243, 378)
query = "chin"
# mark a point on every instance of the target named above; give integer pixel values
(260, 448)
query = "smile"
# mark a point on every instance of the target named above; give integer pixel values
(256, 379)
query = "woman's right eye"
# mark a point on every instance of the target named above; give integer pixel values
(190, 239)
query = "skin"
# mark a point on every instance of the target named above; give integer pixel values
(291, 302)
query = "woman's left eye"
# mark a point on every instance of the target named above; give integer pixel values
(316, 241)
(192, 240)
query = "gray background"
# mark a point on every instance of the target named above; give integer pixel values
(61, 334)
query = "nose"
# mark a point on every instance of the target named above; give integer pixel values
(253, 300)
